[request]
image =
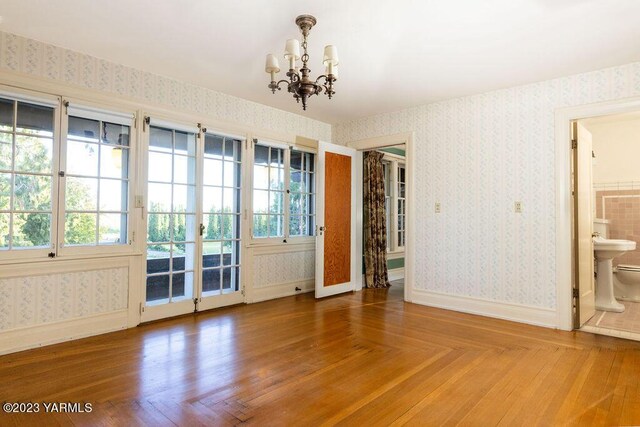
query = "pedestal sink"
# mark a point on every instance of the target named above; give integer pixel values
(605, 251)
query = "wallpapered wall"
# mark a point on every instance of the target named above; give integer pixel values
(37, 300)
(39, 59)
(477, 155)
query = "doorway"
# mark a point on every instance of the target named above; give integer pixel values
(607, 224)
(401, 213)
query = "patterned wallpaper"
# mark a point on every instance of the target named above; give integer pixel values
(36, 300)
(477, 155)
(39, 59)
(274, 269)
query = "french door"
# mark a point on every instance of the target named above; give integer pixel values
(193, 220)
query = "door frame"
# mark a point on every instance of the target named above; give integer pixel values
(407, 139)
(564, 204)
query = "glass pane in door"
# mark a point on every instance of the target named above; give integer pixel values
(221, 204)
(171, 222)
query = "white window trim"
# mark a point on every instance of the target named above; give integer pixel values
(250, 156)
(394, 161)
(103, 112)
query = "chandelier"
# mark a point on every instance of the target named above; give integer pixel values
(299, 83)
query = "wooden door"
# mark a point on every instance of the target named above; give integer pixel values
(583, 224)
(336, 258)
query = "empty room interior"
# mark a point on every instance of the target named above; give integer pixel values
(303, 213)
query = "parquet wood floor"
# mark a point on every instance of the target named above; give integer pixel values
(359, 359)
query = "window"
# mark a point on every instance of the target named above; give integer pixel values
(26, 175)
(394, 202)
(171, 221)
(401, 206)
(283, 192)
(96, 181)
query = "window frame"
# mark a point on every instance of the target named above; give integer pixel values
(287, 147)
(36, 98)
(394, 162)
(108, 113)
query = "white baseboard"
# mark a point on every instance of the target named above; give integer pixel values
(52, 333)
(515, 312)
(396, 274)
(281, 290)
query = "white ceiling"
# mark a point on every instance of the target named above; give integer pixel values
(393, 54)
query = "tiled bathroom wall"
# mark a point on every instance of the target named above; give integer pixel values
(622, 208)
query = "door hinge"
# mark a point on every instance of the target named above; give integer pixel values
(66, 106)
(574, 144)
(61, 174)
(51, 255)
(242, 291)
(576, 293)
(141, 308)
(145, 122)
(202, 229)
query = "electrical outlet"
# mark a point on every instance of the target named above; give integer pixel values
(438, 207)
(518, 207)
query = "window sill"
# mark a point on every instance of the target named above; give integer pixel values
(75, 257)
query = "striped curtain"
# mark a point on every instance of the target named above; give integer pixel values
(375, 229)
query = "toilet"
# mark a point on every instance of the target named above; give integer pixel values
(626, 278)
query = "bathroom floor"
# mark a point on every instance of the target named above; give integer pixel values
(628, 321)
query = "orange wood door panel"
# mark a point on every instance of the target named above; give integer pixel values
(337, 219)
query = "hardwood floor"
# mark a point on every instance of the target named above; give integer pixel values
(359, 359)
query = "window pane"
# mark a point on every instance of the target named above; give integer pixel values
(309, 160)
(6, 114)
(33, 154)
(31, 229)
(261, 177)
(261, 155)
(159, 196)
(183, 256)
(5, 191)
(32, 193)
(276, 228)
(211, 254)
(81, 194)
(34, 119)
(227, 226)
(114, 162)
(230, 204)
(296, 161)
(183, 227)
(211, 280)
(277, 157)
(213, 227)
(182, 285)
(80, 228)
(158, 257)
(230, 279)
(276, 178)
(276, 202)
(158, 228)
(6, 151)
(213, 146)
(160, 168)
(298, 225)
(212, 172)
(4, 230)
(113, 195)
(212, 199)
(157, 287)
(82, 158)
(260, 201)
(230, 174)
(83, 129)
(115, 134)
(185, 143)
(229, 149)
(160, 139)
(260, 228)
(184, 198)
(184, 171)
(112, 229)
